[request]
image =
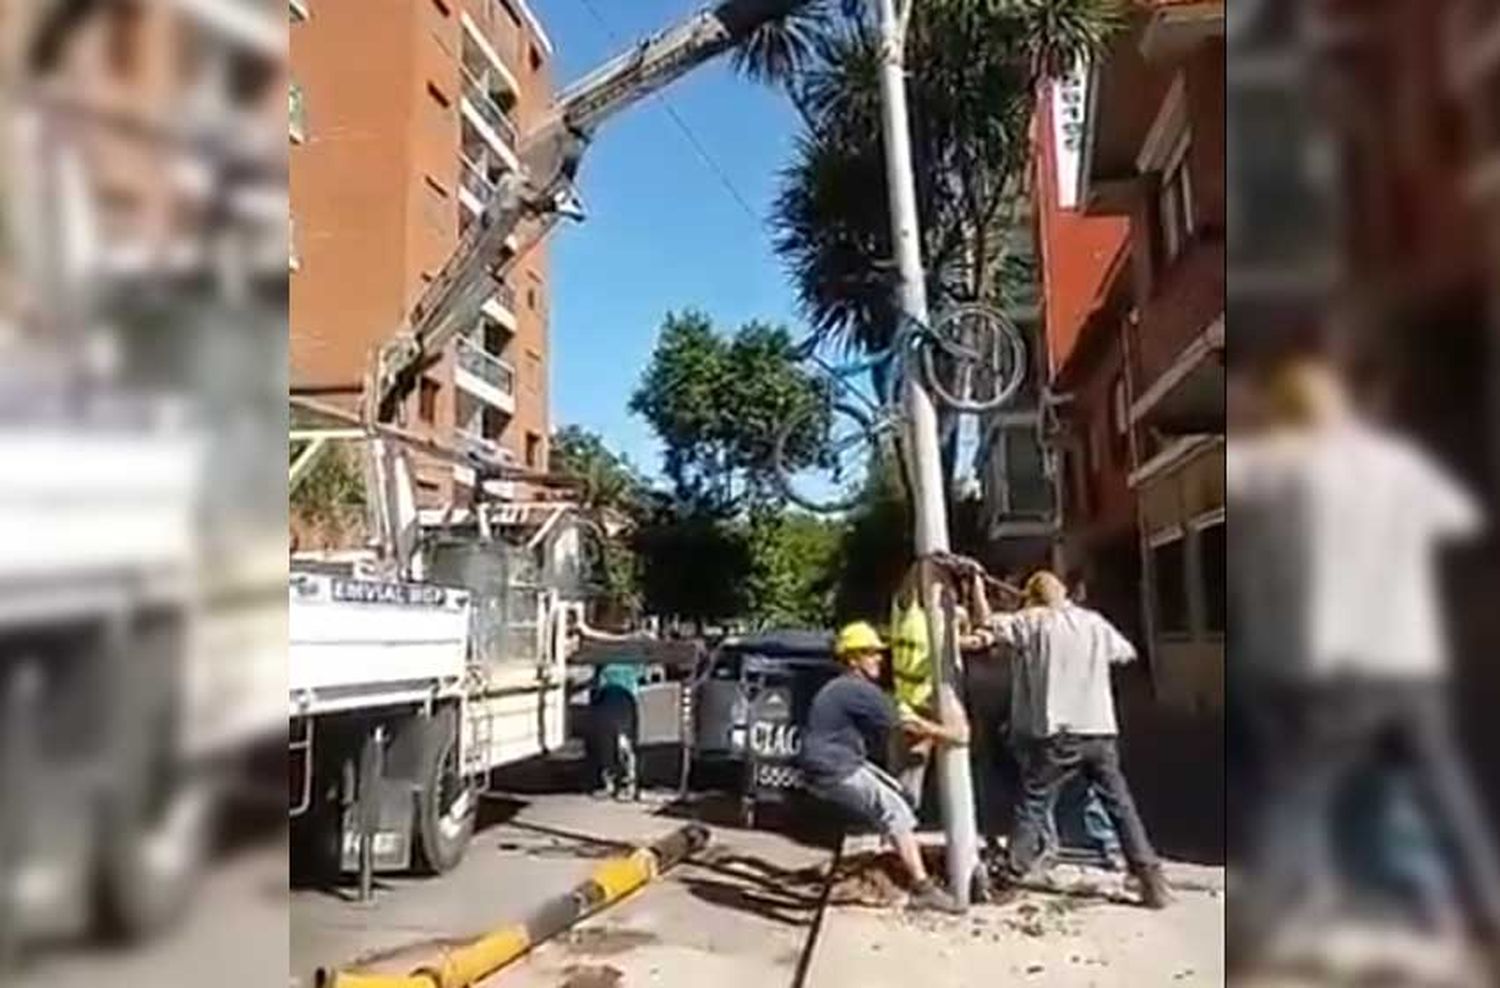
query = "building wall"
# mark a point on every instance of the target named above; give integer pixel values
(150, 66)
(1077, 250)
(1181, 297)
(349, 185)
(376, 203)
(1188, 662)
(1084, 258)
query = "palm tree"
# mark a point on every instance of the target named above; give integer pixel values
(976, 68)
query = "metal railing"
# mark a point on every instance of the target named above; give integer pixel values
(471, 174)
(507, 296)
(470, 441)
(489, 368)
(477, 89)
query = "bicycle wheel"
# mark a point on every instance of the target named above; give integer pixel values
(826, 453)
(974, 358)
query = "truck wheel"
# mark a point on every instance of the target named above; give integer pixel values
(446, 803)
(151, 857)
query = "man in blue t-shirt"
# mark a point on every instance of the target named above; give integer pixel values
(848, 716)
(614, 717)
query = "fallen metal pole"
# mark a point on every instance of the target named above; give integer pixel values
(468, 965)
(955, 784)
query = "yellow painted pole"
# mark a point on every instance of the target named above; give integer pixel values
(470, 964)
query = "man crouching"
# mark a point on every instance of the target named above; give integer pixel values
(849, 714)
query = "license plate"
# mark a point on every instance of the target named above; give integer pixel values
(777, 777)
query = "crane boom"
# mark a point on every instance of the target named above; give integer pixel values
(527, 203)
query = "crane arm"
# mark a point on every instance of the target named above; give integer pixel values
(526, 204)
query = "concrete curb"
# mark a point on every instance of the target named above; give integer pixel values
(610, 881)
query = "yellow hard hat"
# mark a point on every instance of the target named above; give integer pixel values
(858, 637)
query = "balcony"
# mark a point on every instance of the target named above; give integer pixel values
(485, 376)
(479, 107)
(470, 441)
(500, 308)
(474, 186)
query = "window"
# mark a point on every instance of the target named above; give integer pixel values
(533, 450)
(534, 59)
(531, 299)
(442, 8)
(1169, 586)
(510, 12)
(438, 96)
(436, 186)
(1213, 557)
(1176, 199)
(427, 400)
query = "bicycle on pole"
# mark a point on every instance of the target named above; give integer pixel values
(972, 359)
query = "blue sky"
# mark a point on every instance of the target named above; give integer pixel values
(663, 232)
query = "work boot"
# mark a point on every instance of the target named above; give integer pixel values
(1155, 893)
(928, 896)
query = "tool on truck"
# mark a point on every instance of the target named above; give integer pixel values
(387, 765)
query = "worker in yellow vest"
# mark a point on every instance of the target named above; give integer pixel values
(911, 674)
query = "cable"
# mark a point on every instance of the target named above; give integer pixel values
(682, 126)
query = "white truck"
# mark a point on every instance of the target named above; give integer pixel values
(136, 674)
(405, 695)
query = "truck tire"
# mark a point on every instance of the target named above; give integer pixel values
(151, 854)
(446, 802)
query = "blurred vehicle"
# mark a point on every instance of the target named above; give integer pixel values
(750, 700)
(137, 655)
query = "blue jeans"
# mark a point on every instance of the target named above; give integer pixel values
(1080, 808)
(1047, 765)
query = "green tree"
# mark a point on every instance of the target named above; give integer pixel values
(694, 565)
(329, 502)
(875, 550)
(793, 569)
(606, 479)
(717, 404)
(614, 495)
(974, 71)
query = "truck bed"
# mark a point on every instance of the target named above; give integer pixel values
(362, 643)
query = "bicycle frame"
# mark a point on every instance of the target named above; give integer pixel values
(888, 392)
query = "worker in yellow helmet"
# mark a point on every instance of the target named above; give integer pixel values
(847, 715)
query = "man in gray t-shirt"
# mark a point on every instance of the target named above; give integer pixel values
(1063, 722)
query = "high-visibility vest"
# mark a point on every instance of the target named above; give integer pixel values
(911, 657)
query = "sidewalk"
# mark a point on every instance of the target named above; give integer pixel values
(1076, 936)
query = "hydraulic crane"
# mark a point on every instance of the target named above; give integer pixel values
(524, 207)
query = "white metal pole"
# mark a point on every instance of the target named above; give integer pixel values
(954, 781)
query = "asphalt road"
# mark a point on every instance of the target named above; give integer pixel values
(727, 915)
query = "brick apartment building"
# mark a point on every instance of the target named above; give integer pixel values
(1131, 224)
(141, 88)
(404, 113)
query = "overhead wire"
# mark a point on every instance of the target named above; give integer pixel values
(687, 132)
